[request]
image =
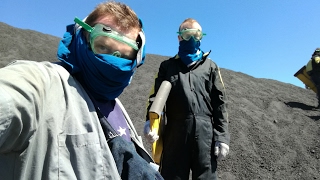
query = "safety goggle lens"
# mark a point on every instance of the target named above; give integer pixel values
(186, 34)
(100, 36)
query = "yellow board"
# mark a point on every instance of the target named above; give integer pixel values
(305, 78)
(157, 147)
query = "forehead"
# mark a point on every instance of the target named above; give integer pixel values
(191, 25)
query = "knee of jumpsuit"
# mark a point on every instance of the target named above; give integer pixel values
(204, 162)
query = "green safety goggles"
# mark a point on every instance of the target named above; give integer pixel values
(100, 34)
(186, 34)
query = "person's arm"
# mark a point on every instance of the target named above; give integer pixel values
(151, 135)
(21, 88)
(157, 82)
(220, 115)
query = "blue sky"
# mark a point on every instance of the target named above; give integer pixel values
(269, 39)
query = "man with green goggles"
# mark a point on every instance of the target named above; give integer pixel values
(99, 40)
(70, 122)
(186, 34)
(196, 132)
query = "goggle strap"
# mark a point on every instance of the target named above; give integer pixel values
(140, 52)
(86, 26)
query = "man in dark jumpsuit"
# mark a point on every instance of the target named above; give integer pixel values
(196, 132)
(313, 70)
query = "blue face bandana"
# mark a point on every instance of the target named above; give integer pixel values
(189, 51)
(105, 76)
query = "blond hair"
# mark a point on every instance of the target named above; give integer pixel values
(188, 21)
(123, 15)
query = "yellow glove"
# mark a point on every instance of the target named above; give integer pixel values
(317, 59)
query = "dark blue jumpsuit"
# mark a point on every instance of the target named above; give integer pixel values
(196, 118)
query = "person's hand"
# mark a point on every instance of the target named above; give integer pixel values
(317, 59)
(221, 150)
(151, 136)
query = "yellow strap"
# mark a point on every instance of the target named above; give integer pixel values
(221, 78)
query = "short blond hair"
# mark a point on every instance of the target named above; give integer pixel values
(188, 21)
(123, 15)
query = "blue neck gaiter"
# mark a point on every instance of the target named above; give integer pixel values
(104, 76)
(189, 51)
